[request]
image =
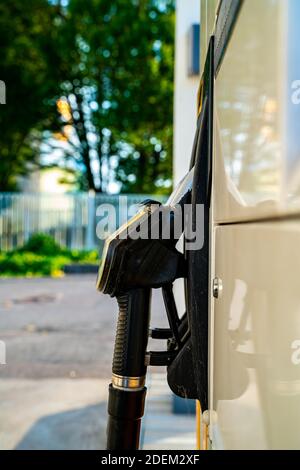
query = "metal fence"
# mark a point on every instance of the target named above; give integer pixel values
(70, 218)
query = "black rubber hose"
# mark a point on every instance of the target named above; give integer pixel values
(125, 412)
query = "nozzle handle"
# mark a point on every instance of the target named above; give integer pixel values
(132, 333)
(127, 391)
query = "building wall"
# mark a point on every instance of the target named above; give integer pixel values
(186, 87)
(48, 180)
(185, 105)
(208, 16)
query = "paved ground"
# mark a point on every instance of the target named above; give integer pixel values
(53, 414)
(163, 430)
(59, 327)
(59, 337)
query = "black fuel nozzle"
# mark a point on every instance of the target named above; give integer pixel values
(141, 255)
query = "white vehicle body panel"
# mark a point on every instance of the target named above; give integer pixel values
(254, 338)
(256, 368)
(257, 115)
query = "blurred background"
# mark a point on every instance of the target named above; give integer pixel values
(100, 101)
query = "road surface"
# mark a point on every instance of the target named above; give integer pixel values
(59, 327)
(59, 336)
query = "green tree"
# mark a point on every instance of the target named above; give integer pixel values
(115, 106)
(30, 69)
(92, 80)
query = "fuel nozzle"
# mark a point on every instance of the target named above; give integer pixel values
(141, 255)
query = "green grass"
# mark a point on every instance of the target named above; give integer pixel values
(42, 256)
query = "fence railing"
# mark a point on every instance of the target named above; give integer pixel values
(70, 218)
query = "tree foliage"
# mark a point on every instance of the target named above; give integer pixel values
(103, 86)
(30, 69)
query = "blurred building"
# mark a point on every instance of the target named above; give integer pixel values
(48, 180)
(187, 75)
(187, 79)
